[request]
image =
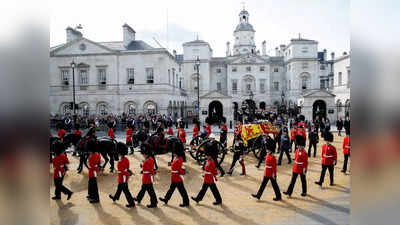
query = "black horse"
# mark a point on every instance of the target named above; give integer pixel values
(68, 141)
(108, 148)
(172, 144)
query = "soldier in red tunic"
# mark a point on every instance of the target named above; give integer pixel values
(196, 128)
(299, 167)
(177, 180)
(94, 163)
(147, 179)
(346, 150)
(110, 132)
(129, 134)
(77, 130)
(182, 134)
(208, 128)
(329, 159)
(269, 174)
(210, 177)
(123, 175)
(293, 133)
(59, 164)
(61, 132)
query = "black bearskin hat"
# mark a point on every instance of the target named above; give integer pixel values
(285, 129)
(300, 140)
(110, 124)
(58, 147)
(144, 149)
(328, 137)
(122, 149)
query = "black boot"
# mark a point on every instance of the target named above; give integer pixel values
(195, 199)
(112, 197)
(163, 200)
(255, 196)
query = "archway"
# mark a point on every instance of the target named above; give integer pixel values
(215, 112)
(150, 108)
(319, 109)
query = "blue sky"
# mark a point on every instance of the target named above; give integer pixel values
(327, 21)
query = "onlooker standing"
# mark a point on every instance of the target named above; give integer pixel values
(339, 125)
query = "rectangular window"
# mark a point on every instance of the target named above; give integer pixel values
(276, 86)
(234, 86)
(180, 68)
(234, 69)
(262, 85)
(248, 87)
(322, 83)
(304, 65)
(276, 69)
(218, 70)
(150, 75)
(304, 50)
(169, 76)
(248, 69)
(219, 86)
(290, 85)
(180, 82)
(131, 75)
(262, 68)
(340, 79)
(65, 77)
(83, 77)
(101, 74)
(289, 67)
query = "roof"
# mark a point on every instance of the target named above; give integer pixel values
(195, 42)
(244, 27)
(118, 46)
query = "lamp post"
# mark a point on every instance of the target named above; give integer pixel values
(73, 91)
(252, 106)
(198, 87)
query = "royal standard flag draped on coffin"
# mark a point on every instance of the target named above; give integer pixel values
(250, 131)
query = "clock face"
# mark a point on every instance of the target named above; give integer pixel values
(82, 47)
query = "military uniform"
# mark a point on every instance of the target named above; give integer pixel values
(299, 168)
(346, 151)
(93, 191)
(238, 155)
(329, 159)
(269, 174)
(147, 182)
(59, 164)
(123, 176)
(210, 177)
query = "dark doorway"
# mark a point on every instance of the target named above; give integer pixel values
(235, 110)
(319, 109)
(262, 105)
(215, 112)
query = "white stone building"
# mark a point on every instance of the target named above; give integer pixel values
(341, 87)
(131, 76)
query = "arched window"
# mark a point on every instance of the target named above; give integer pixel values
(102, 109)
(305, 81)
(84, 109)
(339, 105)
(65, 109)
(130, 108)
(150, 107)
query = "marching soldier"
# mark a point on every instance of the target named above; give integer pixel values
(94, 163)
(329, 159)
(170, 131)
(269, 174)
(196, 128)
(129, 134)
(346, 150)
(223, 133)
(299, 167)
(210, 177)
(293, 133)
(177, 180)
(110, 132)
(212, 147)
(285, 146)
(266, 143)
(208, 128)
(61, 132)
(59, 164)
(147, 179)
(77, 130)
(313, 140)
(182, 133)
(123, 175)
(238, 155)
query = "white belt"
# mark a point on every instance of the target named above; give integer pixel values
(328, 156)
(151, 175)
(207, 172)
(59, 174)
(146, 172)
(299, 162)
(174, 171)
(269, 166)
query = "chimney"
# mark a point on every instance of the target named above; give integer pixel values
(344, 53)
(277, 51)
(282, 48)
(333, 56)
(228, 49)
(264, 47)
(73, 34)
(325, 54)
(129, 34)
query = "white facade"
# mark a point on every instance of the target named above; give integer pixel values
(341, 71)
(293, 76)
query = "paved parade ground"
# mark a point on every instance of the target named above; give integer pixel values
(326, 205)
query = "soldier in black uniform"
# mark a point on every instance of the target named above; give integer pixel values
(212, 147)
(313, 140)
(285, 146)
(238, 155)
(266, 143)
